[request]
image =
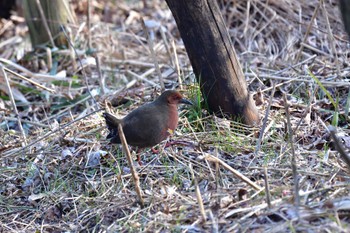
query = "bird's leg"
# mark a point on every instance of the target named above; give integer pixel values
(139, 159)
(138, 155)
(154, 150)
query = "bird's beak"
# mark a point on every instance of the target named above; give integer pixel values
(185, 101)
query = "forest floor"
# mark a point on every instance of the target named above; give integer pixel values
(58, 172)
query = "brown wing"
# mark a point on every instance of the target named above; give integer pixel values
(145, 126)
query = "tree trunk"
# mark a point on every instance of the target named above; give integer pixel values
(213, 58)
(344, 6)
(55, 14)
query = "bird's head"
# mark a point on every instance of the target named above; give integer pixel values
(173, 97)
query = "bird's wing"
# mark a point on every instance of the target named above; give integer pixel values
(146, 123)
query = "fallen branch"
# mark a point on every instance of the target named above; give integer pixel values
(134, 174)
(235, 172)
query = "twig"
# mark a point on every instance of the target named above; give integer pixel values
(101, 78)
(13, 103)
(131, 63)
(29, 80)
(331, 38)
(166, 45)
(134, 174)
(155, 60)
(235, 172)
(27, 122)
(178, 71)
(303, 116)
(198, 194)
(261, 135)
(316, 50)
(81, 64)
(301, 79)
(338, 146)
(55, 116)
(142, 78)
(295, 65)
(267, 188)
(253, 210)
(72, 53)
(307, 32)
(88, 23)
(293, 162)
(217, 170)
(213, 222)
(43, 18)
(43, 77)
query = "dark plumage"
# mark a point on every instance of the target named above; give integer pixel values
(149, 124)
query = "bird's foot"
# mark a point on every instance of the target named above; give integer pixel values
(139, 159)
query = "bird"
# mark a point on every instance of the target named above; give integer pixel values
(149, 124)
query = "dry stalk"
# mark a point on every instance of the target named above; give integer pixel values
(155, 60)
(316, 50)
(253, 210)
(2, 70)
(29, 80)
(267, 188)
(307, 32)
(166, 45)
(88, 22)
(235, 172)
(296, 65)
(81, 64)
(42, 77)
(134, 174)
(178, 71)
(49, 58)
(27, 122)
(261, 135)
(213, 223)
(143, 79)
(217, 170)
(198, 194)
(338, 146)
(72, 53)
(303, 116)
(302, 78)
(43, 18)
(331, 37)
(293, 161)
(101, 78)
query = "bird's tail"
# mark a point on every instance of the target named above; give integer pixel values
(112, 125)
(111, 120)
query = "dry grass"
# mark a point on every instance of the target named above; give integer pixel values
(65, 177)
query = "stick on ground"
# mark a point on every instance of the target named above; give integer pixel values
(235, 172)
(134, 174)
